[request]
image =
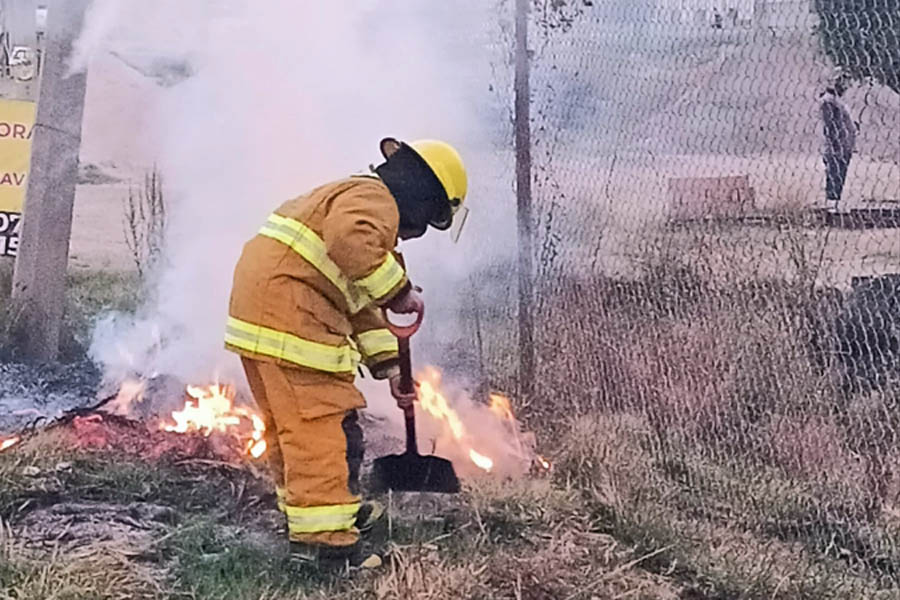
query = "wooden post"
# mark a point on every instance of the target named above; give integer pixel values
(523, 196)
(40, 274)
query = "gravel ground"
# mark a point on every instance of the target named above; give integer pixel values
(29, 393)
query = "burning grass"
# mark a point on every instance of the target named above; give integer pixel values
(480, 438)
(610, 522)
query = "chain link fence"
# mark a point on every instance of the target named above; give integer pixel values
(728, 331)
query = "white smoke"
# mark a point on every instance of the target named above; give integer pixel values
(286, 95)
(100, 19)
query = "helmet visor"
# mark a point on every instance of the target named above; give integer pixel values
(459, 221)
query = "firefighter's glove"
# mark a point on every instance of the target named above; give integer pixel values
(404, 400)
(409, 303)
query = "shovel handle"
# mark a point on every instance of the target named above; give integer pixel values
(407, 386)
(411, 446)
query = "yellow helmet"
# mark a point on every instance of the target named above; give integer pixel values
(446, 163)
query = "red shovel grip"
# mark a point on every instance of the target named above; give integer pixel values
(405, 331)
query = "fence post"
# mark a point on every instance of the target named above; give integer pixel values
(40, 273)
(523, 199)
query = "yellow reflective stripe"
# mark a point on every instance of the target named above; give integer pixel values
(281, 494)
(304, 241)
(377, 341)
(278, 344)
(385, 278)
(314, 519)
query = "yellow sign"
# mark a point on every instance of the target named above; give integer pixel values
(16, 127)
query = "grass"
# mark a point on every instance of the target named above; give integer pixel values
(197, 550)
(701, 450)
(218, 542)
(93, 573)
(88, 295)
(46, 469)
(702, 422)
(728, 533)
(611, 522)
(212, 561)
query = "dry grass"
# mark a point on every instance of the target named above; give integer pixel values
(701, 449)
(58, 573)
(419, 573)
(516, 539)
(727, 532)
(704, 412)
(145, 220)
(531, 538)
(613, 522)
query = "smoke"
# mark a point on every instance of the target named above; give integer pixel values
(99, 21)
(284, 96)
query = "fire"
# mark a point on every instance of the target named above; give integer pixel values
(482, 461)
(130, 393)
(501, 407)
(257, 446)
(435, 404)
(485, 434)
(6, 444)
(212, 410)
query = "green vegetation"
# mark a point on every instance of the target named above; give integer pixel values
(88, 295)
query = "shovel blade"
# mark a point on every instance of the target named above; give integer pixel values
(415, 473)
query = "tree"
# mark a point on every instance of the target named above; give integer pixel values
(862, 37)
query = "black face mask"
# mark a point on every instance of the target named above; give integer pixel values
(421, 199)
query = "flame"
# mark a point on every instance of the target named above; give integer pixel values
(543, 462)
(131, 392)
(257, 446)
(436, 405)
(212, 410)
(482, 461)
(9, 443)
(501, 407)
(257, 449)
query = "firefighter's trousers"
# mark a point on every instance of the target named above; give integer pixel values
(315, 449)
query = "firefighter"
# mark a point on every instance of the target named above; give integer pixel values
(306, 307)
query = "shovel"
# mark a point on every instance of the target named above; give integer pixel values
(410, 471)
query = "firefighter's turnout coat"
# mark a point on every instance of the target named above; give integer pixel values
(304, 312)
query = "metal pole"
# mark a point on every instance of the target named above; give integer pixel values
(523, 196)
(39, 283)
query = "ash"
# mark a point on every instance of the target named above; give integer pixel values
(35, 394)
